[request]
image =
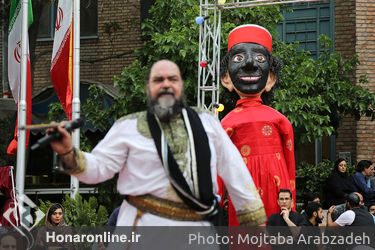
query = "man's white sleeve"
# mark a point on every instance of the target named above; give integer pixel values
(345, 218)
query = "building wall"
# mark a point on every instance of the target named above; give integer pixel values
(355, 33)
(365, 48)
(345, 38)
(99, 61)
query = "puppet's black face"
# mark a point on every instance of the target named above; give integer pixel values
(249, 67)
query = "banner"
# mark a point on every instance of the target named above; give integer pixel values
(14, 65)
(62, 56)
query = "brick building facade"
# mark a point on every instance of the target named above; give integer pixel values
(355, 34)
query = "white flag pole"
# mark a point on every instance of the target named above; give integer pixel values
(74, 183)
(21, 141)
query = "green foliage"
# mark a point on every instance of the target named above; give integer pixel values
(92, 110)
(56, 111)
(79, 212)
(315, 95)
(132, 90)
(313, 178)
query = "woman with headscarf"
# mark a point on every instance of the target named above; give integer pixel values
(338, 185)
(54, 223)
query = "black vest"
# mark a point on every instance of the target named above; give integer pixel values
(362, 218)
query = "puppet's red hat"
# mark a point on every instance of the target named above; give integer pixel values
(250, 33)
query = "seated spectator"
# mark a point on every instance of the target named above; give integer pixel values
(372, 179)
(309, 197)
(112, 220)
(286, 217)
(361, 181)
(54, 222)
(339, 209)
(313, 214)
(371, 210)
(8, 241)
(354, 216)
(338, 184)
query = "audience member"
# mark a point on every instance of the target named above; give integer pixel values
(361, 181)
(372, 178)
(7, 242)
(286, 217)
(313, 214)
(371, 210)
(309, 197)
(338, 184)
(354, 216)
(112, 220)
(339, 209)
(54, 223)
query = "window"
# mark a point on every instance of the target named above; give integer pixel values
(89, 19)
(306, 23)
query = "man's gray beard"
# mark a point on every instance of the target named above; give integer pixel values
(164, 112)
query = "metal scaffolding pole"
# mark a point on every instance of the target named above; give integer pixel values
(209, 45)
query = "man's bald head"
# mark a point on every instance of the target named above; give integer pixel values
(162, 62)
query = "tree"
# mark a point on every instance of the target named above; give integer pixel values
(317, 94)
(314, 94)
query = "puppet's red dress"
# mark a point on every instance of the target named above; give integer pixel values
(265, 140)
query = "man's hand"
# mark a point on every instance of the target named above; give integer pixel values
(330, 222)
(63, 145)
(330, 210)
(284, 213)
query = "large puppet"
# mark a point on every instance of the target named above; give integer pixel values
(263, 136)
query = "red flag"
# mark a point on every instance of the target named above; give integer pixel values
(62, 63)
(14, 65)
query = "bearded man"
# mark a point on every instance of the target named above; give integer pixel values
(313, 214)
(167, 159)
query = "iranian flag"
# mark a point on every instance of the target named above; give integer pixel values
(14, 65)
(62, 56)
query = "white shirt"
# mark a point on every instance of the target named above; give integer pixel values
(132, 153)
(346, 218)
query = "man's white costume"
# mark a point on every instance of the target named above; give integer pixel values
(129, 149)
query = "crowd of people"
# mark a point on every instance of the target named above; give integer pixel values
(349, 200)
(352, 212)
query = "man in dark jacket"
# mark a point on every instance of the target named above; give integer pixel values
(361, 181)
